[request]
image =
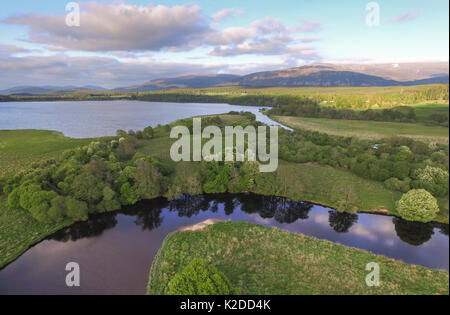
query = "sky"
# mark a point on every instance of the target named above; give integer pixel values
(123, 43)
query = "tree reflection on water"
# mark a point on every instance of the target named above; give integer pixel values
(148, 216)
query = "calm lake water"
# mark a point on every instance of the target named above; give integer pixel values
(103, 118)
(115, 250)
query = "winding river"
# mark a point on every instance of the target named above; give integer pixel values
(115, 250)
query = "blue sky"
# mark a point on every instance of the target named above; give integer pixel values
(251, 36)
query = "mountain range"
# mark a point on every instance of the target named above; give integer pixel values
(188, 81)
(46, 89)
(330, 75)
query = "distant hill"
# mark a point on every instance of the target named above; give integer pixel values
(33, 90)
(189, 81)
(350, 75)
(331, 75)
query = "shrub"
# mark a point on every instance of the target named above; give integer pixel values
(57, 209)
(418, 205)
(127, 147)
(399, 185)
(433, 179)
(128, 195)
(199, 278)
(217, 178)
(76, 209)
(139, 134)
(148, 133)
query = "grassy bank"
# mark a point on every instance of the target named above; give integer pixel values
(260, 260)
(367, 129)
(20, 148)
(19, 231)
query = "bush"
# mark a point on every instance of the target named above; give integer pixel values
(58, 209)
(148, 133)
(199, 278)
(121, 133)
(433, 179)
(128, 195)
(418, 205)
(399, 185)
(76, 209)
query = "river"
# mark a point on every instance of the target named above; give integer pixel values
(115, 250)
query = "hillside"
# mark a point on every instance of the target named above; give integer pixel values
(36, 90)
(350, 75)
(189, 81)
(316, 75)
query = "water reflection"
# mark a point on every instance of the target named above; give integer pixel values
(413, 233)
(116, 249)
(189, 206)
(281, 209)
(341, 222)
(443, 228)
(94, 227)
(148, 216)
(148, 213)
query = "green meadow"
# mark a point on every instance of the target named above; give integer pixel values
(367, 129)
(260, 260)
(20, 148)
(427, 109)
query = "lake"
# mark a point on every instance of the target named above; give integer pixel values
(115, 250)
(102, 118)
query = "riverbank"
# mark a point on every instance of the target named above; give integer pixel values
(259, 260)
(19, 231)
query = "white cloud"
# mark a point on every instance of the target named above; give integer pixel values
(110, 27)
(109, 72)
(8, 50)
(266, 36)
(309, 39)
(226, 13)
(308, 26)
(125, 44)
(125, 29)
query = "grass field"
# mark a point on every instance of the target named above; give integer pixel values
(424, 110)
(367, 129)
(19, 148)
(19, 231)
(260, 260)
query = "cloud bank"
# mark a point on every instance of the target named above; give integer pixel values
(122, 44)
